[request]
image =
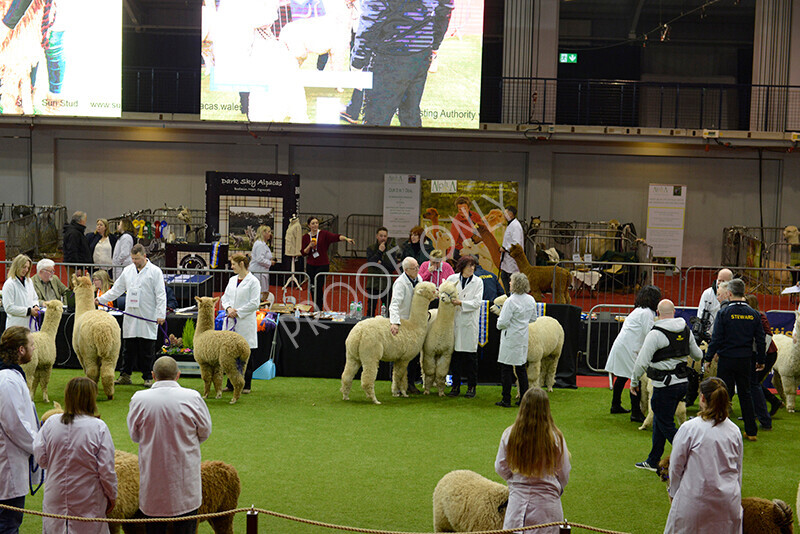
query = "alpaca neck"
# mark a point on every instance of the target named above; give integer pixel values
(205, 320)
(419, 310)
(50, 323)
(84, 301)
(446, 314)
(522, 262)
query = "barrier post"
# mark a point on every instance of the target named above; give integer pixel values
(252, 520)
(565, 528)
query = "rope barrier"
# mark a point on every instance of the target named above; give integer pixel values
(332, 526)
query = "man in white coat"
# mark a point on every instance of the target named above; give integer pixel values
(468, 310)
(400, 308)
(169, 423)
(708, 300)
(517, 313)
(18, 424)
(512, 236)
(145, 305)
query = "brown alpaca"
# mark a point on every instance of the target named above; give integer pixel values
(541, 278)
(489, 240)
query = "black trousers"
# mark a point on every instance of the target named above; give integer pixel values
(505, 278)
(138, 352)
(464, 363)
(735, 372)
(178, 527)
(318, 292)
(507, 379)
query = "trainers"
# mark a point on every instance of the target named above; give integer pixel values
(646, 465)
(245, 391)
(123, 380)
(749, 437)
(148, 383)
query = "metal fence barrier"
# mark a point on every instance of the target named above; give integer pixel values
(342, 289)
(32, 229)
(767, 283)
(361, 228)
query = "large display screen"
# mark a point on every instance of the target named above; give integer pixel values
(61, 57)
(375, 62)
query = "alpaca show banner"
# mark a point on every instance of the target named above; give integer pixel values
(466, 217)
(61, 58)
(376, 62)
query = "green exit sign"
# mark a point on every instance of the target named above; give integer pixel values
(568, 58)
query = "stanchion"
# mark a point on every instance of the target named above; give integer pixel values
(252, 520)
(565, 528)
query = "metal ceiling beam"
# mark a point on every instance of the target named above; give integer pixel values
(635, 20)
(134, 12)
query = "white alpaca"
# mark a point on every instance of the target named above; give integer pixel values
(38, 370)
(545, 341)
(464, 501)
(218, 351)
(440, 339)
(371, 341)
(96, 336)
(646, 394)
(787, 366)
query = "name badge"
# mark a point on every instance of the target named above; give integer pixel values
(133, 297)
(315, 255)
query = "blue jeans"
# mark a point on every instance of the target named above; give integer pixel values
(10, 521)
(664, 402)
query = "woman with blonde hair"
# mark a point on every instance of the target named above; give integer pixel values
(101, 244)
(261, 258)
(102, 284)
(705, 468)
(78, 452)
(533, 459)
(19, 296)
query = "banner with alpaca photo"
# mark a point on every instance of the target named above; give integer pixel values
(466, 217)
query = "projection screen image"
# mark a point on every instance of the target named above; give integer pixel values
(61, 57)
(374, 62)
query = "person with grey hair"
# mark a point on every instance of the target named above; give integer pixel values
(47, 285)
(518, 311)
(169, 423)
(400, 308)
(76, 246)
(737, 329)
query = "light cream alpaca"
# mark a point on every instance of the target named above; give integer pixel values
(218, 351)
(371, 341)
(464, 501)
(645, 396)
(96, 336)
(787, 366)
(439, 341)
(38, 370)
(545, 342)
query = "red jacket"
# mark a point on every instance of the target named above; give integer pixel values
(324, 240)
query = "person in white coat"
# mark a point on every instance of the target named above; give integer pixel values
(240, 302)
(121, 257)
(705, 468)
(19, 296)
(533, 459)
(400, 308)
(77, 450)
(626, 346)
(18, 424)
(468, 310)
(146, 299)
(515, 316)
(709, 303)
(512, 236)
(169, 423)
(262, 259)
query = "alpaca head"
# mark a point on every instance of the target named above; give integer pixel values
(206, 303)
(663, 469)
(498, 304)
(517, 251)
(447, 292)
(426, 290)
(82, 284)
(791, 235)
(613, 224)
(54, 307)
(431, 214)
(56, 409)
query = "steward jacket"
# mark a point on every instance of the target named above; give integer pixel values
(736, 328)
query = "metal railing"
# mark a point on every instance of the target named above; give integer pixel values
(605, 322)
(766, 282)
(361, 228)
(341, 289)
(33, 230)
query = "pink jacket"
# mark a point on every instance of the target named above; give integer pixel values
(437, 277)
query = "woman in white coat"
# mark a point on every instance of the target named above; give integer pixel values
(262, 259)
(468, 309)
(533, 459)
(705, 468)
(626, 347)
(121, 256)
(517, 313)
(19, 296)
(77, 450)
(240, 302)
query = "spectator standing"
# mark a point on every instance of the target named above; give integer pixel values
(436, 270)
(770, 358)
(19, 296)
(169, 423)
(47, 285)
(379, 262)
(400, 309)
(77, 450)
(121, 256)
(76, 247)
(18, 424)
(240, 302)
(512, 236)
(101, 244)
(262, 259)
(533, 459)
(468, 309)
(518, 311)
(491, 285)
(417, 246)
(705, 468)
(315, 249)
(145, 305)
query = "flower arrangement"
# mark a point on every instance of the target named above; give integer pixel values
(180, 345)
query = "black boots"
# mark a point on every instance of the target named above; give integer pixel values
(619, 409)
(470, 392)
(454, 392)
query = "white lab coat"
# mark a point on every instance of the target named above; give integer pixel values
(708, 301)
(169, 423)
(533, 501)
(81, 479)
(260, 262)
(17, 298)
(512, 236)
(121, 257)
(18, 427)
(245, 299)
(705, 478)
(152, 299)
(468, 314)
(517, 313)
(402, 293)
(629, 340)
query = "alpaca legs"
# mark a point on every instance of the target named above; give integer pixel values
(442, 366)
(368, 375)
(207, 374)
(222, 525)
(44, 380)
(790, 391)
(534, 371)
(107, 378)
(235, 371)
(33, 383)
(91, 368)
(428, 364)
(350, 369)
(400, 379)
(218, 381)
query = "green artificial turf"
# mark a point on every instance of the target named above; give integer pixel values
(301, 450)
